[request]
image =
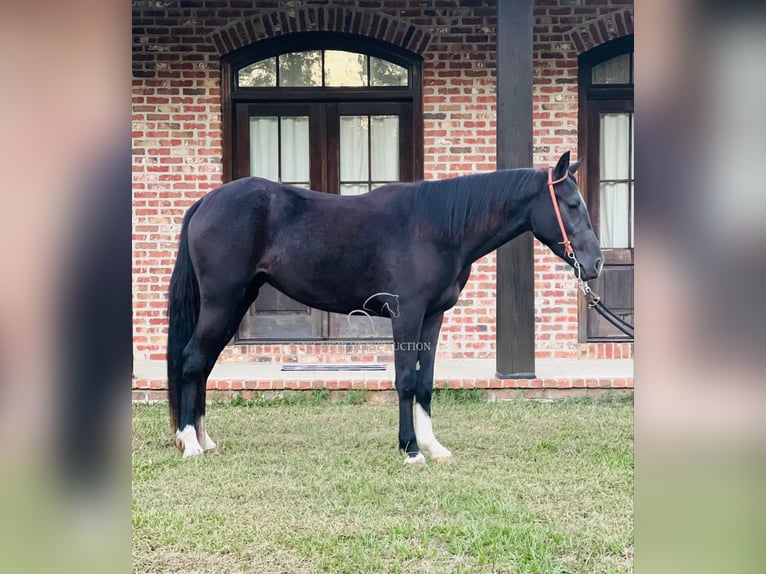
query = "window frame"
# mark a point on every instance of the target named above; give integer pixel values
(232, 94)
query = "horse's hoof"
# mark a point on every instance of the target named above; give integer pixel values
(193, 450)
(417, 460)
(209, 446)
(441, 454)
(186, 440)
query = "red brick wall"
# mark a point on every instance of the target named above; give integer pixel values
(177, 136)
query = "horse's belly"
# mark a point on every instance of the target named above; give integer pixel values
(337, 279)
(318, 294)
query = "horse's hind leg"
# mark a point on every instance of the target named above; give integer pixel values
(423, 391)
(218, 319)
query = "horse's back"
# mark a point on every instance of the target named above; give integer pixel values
(278, 217)
(244, 192)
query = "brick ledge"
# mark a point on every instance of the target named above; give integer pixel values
(228, 379)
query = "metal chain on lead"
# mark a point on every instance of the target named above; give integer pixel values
(589, 295)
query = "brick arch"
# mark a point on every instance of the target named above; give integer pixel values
(596, 31)
(321, 19)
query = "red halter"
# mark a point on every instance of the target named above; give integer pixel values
(566, 243)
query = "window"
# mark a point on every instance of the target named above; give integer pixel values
(336, 113)
(606, 141)
(322, 68)
(617, 70)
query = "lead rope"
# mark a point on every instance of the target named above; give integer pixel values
(594, 302)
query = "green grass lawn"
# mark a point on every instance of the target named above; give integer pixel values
(314, 485)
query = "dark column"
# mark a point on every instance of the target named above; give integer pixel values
(515, 263)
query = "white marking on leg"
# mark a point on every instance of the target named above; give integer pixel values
(210, 446)
(204, 439)
(425, 435)
(187, 441)
(417, 460)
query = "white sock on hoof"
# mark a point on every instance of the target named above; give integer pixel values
(209, 445)
(417, 460)
(425, 436)
(187, 440)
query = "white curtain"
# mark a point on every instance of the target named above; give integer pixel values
(384, 142)
(264, 146)
(354, 154)
(295, 149)
(265, 149)
(616, 163)
(366, 140)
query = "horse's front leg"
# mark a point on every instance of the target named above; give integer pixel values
(424, 388)
(406, 328)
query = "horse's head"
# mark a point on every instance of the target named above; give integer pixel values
(574, 217)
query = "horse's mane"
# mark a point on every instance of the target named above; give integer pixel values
(451, 208)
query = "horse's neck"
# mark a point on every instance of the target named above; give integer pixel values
(478, 240)
(476, 247)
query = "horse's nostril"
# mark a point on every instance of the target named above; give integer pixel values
(599, 265)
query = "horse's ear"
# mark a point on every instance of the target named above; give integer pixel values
(561, 167)
(573, 166)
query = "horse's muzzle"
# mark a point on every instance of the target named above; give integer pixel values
(590, 272)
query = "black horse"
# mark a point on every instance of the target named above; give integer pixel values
(415, 241)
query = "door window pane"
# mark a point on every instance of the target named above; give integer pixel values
(279, 148)
(344, 69)
(294, 149)
(383, 73)
(354, 188)
(384, 144)
(614, 216)
(301, 69)
(354, 148)
(264, 147)
(615, 146)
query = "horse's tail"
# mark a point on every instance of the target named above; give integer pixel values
(183, 312)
